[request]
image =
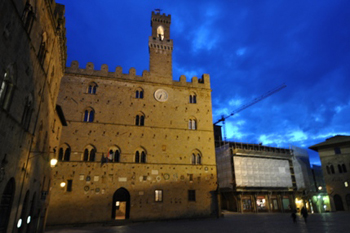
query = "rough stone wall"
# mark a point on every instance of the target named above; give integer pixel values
(26, 148)
(335, 182)
(165, 137)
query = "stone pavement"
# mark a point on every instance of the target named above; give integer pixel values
(338, 222)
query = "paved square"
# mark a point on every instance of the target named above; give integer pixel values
(338, 222)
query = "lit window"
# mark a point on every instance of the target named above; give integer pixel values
(7, 89)
(192, 124)
(346, 184)
(160, 33)
(158, 195)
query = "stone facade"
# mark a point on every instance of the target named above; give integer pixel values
(335, 158)
(33, 54)
(136, 147)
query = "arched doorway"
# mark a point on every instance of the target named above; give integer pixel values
(338, 202)
(6, 204)
(121, 204)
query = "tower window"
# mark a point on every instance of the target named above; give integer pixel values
(192, 124)
(160, 33)
(64, 153)
(139, 93)
(193, 99)
(92, 88)
(114, 155)
(196, 157)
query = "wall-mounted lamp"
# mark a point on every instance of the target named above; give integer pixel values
(63, 184)
(53, 162)
(320, 188)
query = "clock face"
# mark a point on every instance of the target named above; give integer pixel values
(161, 95)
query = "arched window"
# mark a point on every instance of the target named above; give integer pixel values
(114, 155)
(140, 156)
(344, 168)
(64, 153)
(89, 153)
(28, 17)
(7, 88)
(139, 93)
(89, 115)
(160, 33)
(332, 168)
(140, 119)
(340, 168)
(92, 88)
(27, 112)
(196, 157)
(192, 124)
(193, 98)
(328, 171)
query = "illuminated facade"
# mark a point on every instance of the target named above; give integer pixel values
(335, 158)
(33, 57)
(136, 147)
(255, 178)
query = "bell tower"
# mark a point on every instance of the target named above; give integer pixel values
(160, 48)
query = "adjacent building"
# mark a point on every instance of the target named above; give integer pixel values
(335, 158)
(255, 178)
(136, 147)
(32, 62)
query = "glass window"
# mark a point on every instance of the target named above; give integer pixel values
(191, 195)
(158, 195)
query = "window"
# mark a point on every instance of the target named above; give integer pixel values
(89, 153)
(89, 115)
(28, 17)
(196, 157)
(7, 88)
(332, 169)
(346, 184)
(160, 33)
(344, 168)
(92, 88)
(114, 155)
(340, 169)
(42, 50)
(192, 124)
(328, 170)
(158, 195)
(139, 93)
(27, 112)
(337, 150)
(69, 185)
(140, 119)
(140, 156)
(191, 195)
(193, 99)
(64, 153)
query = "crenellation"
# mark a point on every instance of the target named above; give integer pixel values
(104, 70)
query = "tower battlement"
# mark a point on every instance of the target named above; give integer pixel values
(203, 82)
(162, 18)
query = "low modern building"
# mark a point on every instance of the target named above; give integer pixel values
(255, 178)
(335, 158)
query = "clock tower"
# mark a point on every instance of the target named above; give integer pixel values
(160, 48)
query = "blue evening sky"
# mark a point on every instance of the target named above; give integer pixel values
(248, 47)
